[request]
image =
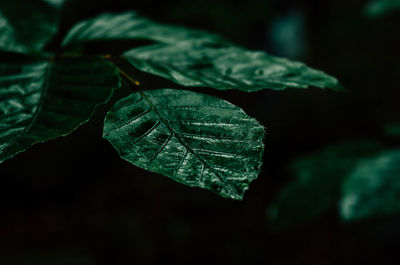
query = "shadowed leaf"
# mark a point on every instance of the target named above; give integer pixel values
(26, 25)
(40, 101)
(130, 25)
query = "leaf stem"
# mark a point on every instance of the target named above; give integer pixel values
(108, 57)
(128, 77)
(122, 72)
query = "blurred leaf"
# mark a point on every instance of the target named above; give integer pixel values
(392, 129)
(377, 8)
(318, 182)
(221, 66)
(26, 25)
(40, 101)
(55, 3)
(373, 188)
(198, 140)
(130, 25)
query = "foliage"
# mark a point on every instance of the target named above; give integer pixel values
(359, 179)
(319, 178)
(192, 138)
(372, 189)
(377, 8)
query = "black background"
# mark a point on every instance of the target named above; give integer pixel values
(74, 201)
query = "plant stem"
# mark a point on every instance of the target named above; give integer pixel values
(122, 72)
(128, 77)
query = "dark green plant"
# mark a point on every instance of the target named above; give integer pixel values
(358, 178)
(196, 139)
(377, 8)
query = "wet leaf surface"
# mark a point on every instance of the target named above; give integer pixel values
(220, 66)
(199, 140)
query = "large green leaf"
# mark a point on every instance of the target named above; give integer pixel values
(318, 182)
(42, 100)
(376, 8)
(130, 25)
(373, 188)
(195, 139)
(196, 58)
(26, 25)
(208, 64)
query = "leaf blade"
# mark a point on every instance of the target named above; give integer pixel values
(161, 131)
(130, 25)
(379, 8)
(371, 189)
(27, 29)
(318, 182)
(204, 64)
(40, 101)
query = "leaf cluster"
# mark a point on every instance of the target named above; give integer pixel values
(196, 139)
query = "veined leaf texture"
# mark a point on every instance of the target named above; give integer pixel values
(195, 139)
(205, 64)
(197, 58)
(42, 100)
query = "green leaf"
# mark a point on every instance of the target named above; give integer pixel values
(26, 25)
(55, 3)
(197, 58)
(377, 8)
(318, 182)
(42, 100)
(130, 25)
(199, 140)
(221, 66)
(392, 129)
(372, 189)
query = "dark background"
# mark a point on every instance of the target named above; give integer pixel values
(74, 201)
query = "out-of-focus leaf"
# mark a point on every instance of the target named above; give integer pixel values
(392, 129)
(130, 25)
(55, 3)
(26, 25)
(40, 101)
(222, 66)
(377, 8)
(318, 182)
(199, 140)
(373, 188)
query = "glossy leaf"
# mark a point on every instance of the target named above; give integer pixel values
(40, 101)
(377, 8)
(221, 66)
(373, 188)
(199, 140)
(26, 25)
(130, 25)
(318, 182)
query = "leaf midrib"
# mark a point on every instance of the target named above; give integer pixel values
(183, 142)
